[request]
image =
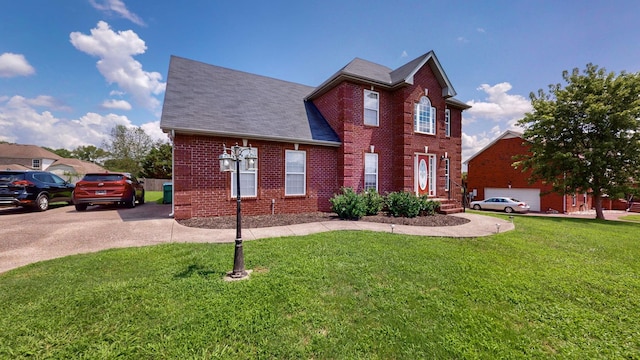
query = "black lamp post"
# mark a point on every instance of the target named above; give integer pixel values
(227, 161)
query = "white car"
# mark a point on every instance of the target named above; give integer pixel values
(505, 204)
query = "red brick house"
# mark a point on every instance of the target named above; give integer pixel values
(490, 173)
(367, 126)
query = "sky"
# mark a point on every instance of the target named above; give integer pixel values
(70, 71)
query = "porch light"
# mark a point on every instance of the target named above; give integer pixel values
(229, 162)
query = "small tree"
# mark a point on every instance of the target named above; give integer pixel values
(585, 136)
(157, 164)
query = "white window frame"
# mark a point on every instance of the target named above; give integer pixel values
(447, 122)
(370, 159)
(291, 174)
(244, 175)
(424, 124)
(446, 174)
(367, 106)
(36, 164)
(432, 175)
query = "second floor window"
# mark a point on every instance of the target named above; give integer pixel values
(424, 117)
(371, 107)
(447, 122)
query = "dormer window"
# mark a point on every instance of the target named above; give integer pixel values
(424, 117)
(35, 164)
(371, 107)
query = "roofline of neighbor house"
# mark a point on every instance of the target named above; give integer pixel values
(250, 136)
(513, 134)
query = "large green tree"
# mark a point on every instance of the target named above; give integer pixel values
(585, 136)
(157, 164)
(89, 153)
(127, 149)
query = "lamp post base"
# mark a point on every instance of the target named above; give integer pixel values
(235, 276)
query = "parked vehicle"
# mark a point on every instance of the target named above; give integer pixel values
(33, 189)
(108, 188)
(505, 204)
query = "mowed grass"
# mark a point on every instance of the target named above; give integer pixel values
(553, 288)
(153, 196)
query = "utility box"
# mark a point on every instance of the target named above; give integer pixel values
(167, 193)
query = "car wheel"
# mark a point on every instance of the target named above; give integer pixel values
(476, 207)
(132, 202)
(508, 210)
(141, 201)
(42, 202)
(81, 207)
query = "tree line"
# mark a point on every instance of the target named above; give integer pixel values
(129, 149)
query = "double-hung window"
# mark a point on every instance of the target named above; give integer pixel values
(370, 171)
(248, 178)
(295, 172)
(35, 164)
(424, 117)
(447, 123)
(371, 107)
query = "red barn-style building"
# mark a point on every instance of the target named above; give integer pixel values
(367, 126)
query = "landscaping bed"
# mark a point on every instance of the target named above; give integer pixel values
(258, 221)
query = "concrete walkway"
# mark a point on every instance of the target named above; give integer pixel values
(479, 225)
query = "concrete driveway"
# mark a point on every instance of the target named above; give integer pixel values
(28, 237)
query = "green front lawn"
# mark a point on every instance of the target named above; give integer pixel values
(553, 288)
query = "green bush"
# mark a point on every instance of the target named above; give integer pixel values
(428, 207)
(403, 204)
(348, 205)
(373, 202)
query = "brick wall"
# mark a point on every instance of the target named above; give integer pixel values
(201, 190)
(394, 139)
(493, 168)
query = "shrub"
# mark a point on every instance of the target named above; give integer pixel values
(403, 204)
(348, 205)
(373, 202)
(428, 207)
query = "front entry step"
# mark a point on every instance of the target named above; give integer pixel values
(449, 207)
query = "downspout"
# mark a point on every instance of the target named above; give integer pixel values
(173, 168)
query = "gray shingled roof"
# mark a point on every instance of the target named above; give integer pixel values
(212, 100)
(367, 72)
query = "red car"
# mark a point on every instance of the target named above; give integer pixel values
(108, 188)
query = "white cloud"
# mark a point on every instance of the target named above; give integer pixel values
(404, 54)
(22, 123)
(12, 65)
(117, 65)
(462, 39)
(116, 104)
(118, 7)
(499, 106)
(481, 30)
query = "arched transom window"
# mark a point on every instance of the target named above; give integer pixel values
(424, 117)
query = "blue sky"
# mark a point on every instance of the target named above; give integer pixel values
(72, 70)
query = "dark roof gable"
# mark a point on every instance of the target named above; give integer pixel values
(212, 100)
(364, 71)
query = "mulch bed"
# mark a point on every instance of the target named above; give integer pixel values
(229, 222)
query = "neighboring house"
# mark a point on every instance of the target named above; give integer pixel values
(29, 156)
(367, 126)
(490, 173)
(74, 169)
(32, 157)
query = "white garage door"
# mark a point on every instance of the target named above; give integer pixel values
(530, 196)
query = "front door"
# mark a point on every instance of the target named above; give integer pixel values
(425, 175)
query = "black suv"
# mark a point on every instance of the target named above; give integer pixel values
(33, 189)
